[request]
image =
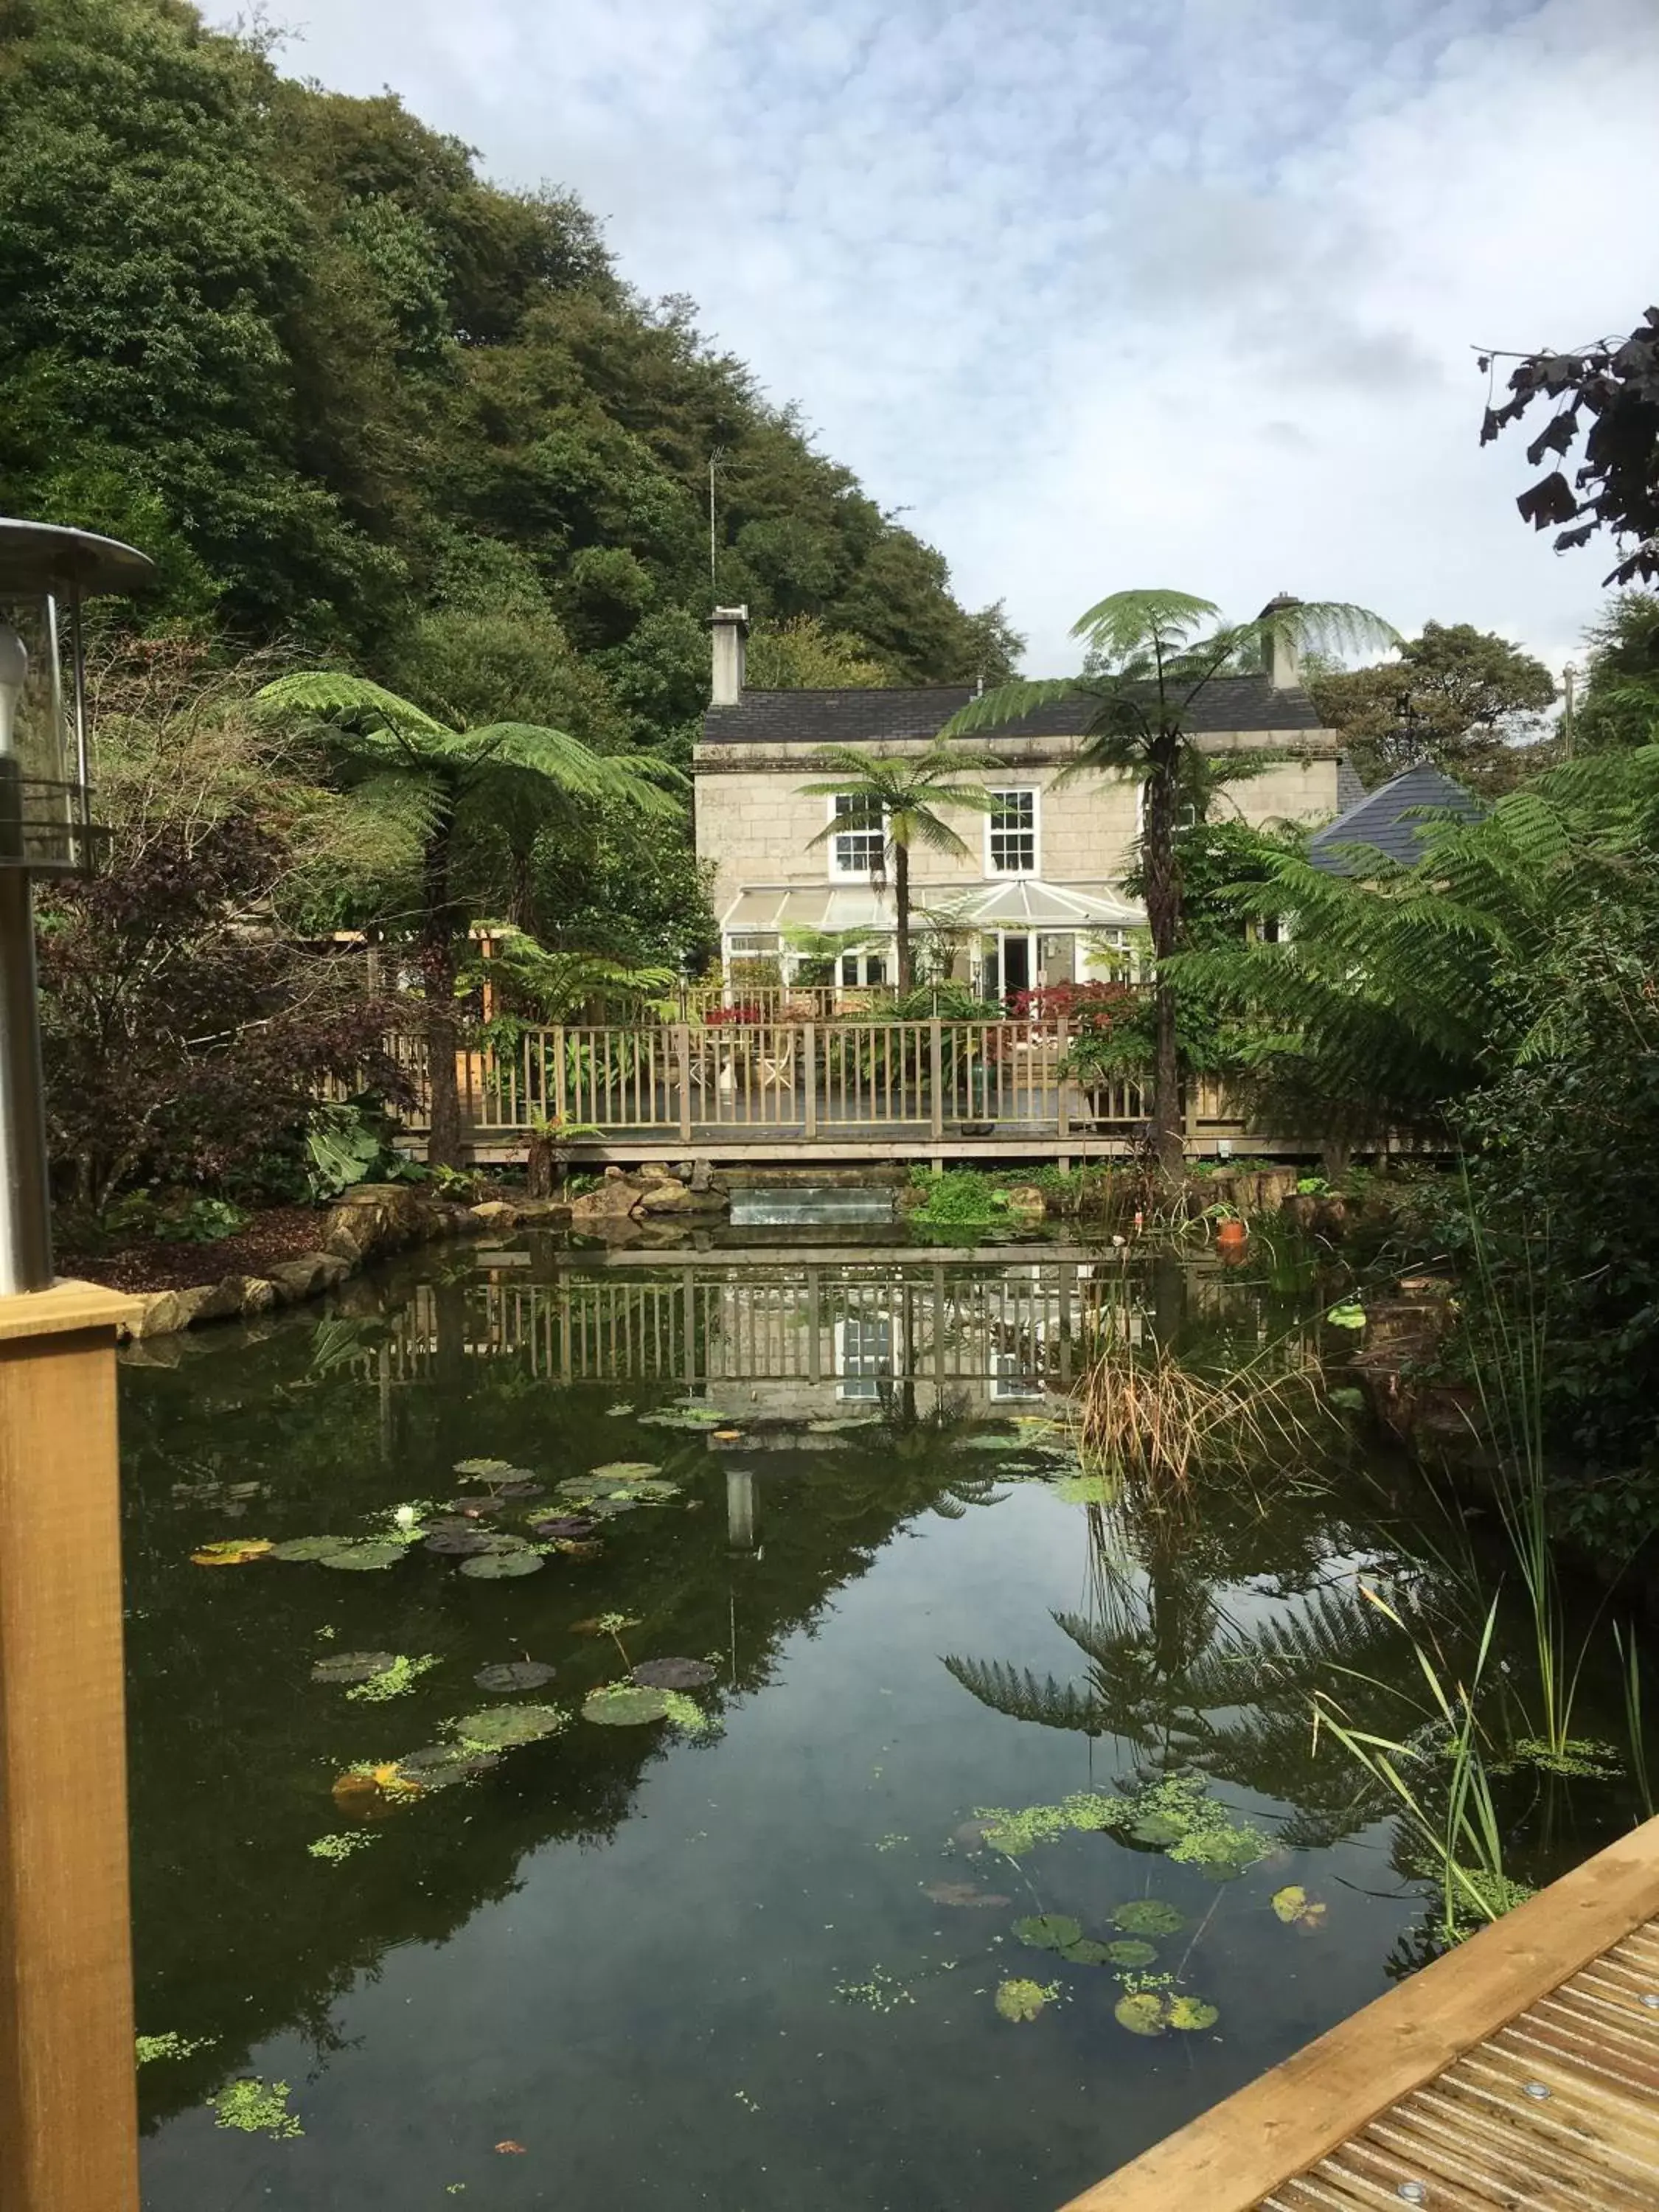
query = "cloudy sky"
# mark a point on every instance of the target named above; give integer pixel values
(1106, 292)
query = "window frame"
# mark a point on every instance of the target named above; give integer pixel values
(1033, 793)
(837, 873)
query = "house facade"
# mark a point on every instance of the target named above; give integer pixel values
(1037, 900)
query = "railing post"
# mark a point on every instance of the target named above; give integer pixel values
(1189, 1100)
(682, 1064)
(559, 1101)
(1062, 1119)
(809, 1056)
(936, 1076)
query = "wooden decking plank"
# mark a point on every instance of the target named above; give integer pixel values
(1552, 1995)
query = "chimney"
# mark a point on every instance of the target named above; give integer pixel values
(1284, 660)
(729, 626)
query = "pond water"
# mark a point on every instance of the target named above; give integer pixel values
(748, 1953)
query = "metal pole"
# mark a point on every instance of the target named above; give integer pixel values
(25, 1204)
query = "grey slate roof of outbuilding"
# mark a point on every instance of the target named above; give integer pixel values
(863, 718)
(1387, 820)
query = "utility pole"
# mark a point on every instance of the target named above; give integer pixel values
(714, 459)
(1569, 686)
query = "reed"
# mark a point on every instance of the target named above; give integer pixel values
(1146, 1415)
(1439, 1776)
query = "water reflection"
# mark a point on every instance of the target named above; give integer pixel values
(911, 1615)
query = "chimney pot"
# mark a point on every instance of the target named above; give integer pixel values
(729, 629)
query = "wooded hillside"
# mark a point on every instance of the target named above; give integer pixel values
(360, 402)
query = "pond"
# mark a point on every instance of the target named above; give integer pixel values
(870, 1901)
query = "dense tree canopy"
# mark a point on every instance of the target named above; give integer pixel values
(1621, 699)
(293, 344)
(1464, 698)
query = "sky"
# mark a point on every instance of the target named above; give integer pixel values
(1106, 293)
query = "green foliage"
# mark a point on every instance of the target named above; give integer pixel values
(291, 341)
(1620, 704)
(1466, 699)
(172, 2044)
(1022, 1999)
(345, 1142)
(960, 1197)
(256, 2109)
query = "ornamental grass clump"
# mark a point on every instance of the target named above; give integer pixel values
(1148, 1417)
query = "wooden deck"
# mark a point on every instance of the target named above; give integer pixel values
(1521, 2071)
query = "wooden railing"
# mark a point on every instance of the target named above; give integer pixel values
(804, 1079)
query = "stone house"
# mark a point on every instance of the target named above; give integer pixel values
(1038, 899)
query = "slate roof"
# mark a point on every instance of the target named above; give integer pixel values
(863, 718)
(1385, 820)
(1349, 789)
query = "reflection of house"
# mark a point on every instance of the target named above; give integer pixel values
(1037, 900)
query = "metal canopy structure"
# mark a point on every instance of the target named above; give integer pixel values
(36, 556)
(1014, 902)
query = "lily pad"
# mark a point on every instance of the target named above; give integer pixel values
(673, 1674)
(500, 1726)
(1141, 2011)
(1147, 1916)
(459, 1543)
(1049, 1931)
(352, 1665)
(235, 1552)
(992, 1443)
(514, 1675)
(1023, 1999)
(1191, 2012)
(1295, 1908)
(489, 1470)
(365, 1555)
(606, 1509)
(477, 1509)
(300, 1548)
(439, 1765)
(496, 1566)
(1129, 1951)
(624, 1470)
(564, 1527)
(625, 1706)
(520, 1492)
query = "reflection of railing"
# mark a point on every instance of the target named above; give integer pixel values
(1019, 1330)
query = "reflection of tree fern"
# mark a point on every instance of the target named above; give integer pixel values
(1017, 1691)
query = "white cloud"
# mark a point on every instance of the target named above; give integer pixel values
(1176, 291)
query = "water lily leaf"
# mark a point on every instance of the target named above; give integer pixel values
(459, 1543)
(1023, 1999)
(477, 1509)
(685, 1418)
(606, 1509)
(623, 1406)
(1294, 1907)
(1147, 1916)
(1049, 1931)
(366, 1554)
(490, 1470)
(496, 1565)
(521, 1491)
(235, 1552)
(1153, 1826)
(1130, 1951)
(498, 1726)
(673, 1674)
(992, 1443)
(368, 1792)
(514, 1675)
(571, 1527)
(352, 1665)
(624, 1705)
(624, 1470)
(963, 1893)
(440, 1766)
(1141, 2011)
(1192, 2013)
(1088, 1953)
(569, 1548)
(298, 1548)
(1346, 1316)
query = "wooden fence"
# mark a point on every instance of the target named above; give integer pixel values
(805, 1083)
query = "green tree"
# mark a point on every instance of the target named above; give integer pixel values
(901, 796)
(1621, 698)
(441, 783)
(1153, 655)
(801, 654)
(1464, 698)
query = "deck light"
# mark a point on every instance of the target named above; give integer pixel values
(46, 829)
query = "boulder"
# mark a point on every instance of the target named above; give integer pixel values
(613, 1198)
(543, 1213)
(494, 1214)
(667, 1196)
(293, 1281)
(233, 1295)
(656, 1171)
(157, 1315)
(701, 1176)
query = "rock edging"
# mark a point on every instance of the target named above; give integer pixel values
(363, 1224)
